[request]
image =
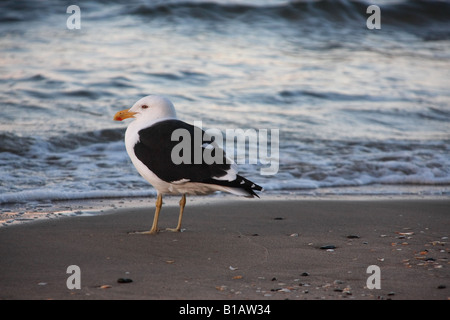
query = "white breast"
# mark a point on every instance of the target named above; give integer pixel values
(131, 138)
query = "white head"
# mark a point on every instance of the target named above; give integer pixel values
(148, 109)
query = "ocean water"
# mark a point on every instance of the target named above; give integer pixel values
(359, 111)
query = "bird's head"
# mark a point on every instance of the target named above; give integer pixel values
(149, 108)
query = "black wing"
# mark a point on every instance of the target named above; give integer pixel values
(155, 146)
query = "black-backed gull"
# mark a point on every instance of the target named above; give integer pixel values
(150, 145)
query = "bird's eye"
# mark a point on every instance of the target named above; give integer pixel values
(144, 106)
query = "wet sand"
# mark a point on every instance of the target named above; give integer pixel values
(239, 249)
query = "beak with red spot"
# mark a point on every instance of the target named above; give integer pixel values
(124, 114)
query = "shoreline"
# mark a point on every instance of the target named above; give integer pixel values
(12, 214)
(236, 249)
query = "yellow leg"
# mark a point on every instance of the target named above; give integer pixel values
(154, 229)
(182, 204)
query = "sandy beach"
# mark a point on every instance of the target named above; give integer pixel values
(239, 249)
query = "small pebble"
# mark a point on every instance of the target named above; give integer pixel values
(305, 274)
(305, 285)
(105, 286)
(328, 247)
(347, 291)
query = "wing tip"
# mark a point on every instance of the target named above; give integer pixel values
(249, 186)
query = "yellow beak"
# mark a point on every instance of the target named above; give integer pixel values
(124, 114)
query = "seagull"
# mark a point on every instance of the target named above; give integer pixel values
(150, 145)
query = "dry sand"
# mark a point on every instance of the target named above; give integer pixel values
(241, 249)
